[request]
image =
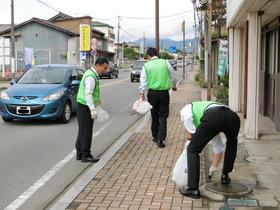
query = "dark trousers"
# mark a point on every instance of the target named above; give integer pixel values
(214, 121)
(159, 99)
(85, 123)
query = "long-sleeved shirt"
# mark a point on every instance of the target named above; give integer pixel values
(143, 76)
(187, 118)
(89, 88)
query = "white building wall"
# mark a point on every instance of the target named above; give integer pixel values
(73, 55)
(235, 68)
(102, 29)
(235, 100)
(231, 67)
(4, 54)
(254, 50)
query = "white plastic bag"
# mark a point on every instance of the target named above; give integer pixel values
(102, 115)
(180, 170)
(141, 106)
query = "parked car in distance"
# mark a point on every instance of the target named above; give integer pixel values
(111, 72)
(136, 69)
(180, 63)
(44, 92)
(173, 63)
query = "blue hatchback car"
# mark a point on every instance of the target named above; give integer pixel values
(43, 92)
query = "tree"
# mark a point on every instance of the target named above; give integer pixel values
(130, 53)
(165, 55)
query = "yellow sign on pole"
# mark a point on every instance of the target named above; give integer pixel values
(84, 37)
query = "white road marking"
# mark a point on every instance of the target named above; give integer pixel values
(114, 82)
(47, 176)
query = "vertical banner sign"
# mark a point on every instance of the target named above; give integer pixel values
(222, 58)
(84, 37)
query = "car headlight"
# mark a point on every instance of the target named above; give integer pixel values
(53, 96)
(133, 71)
(4, 96)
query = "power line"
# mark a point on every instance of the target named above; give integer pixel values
(167, 16)
(152, 25)
(128, 33)
(48, 6)
(112, 18)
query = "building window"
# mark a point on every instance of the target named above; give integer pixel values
(16, 39)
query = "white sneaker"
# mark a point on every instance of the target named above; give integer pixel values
(212, 170)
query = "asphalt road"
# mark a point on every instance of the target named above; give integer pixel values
(36, 157)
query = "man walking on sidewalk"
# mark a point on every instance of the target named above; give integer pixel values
(158, 77)
(208, 119)
(88, 99)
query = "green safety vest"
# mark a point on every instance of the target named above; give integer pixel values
(198, 110)
(157, 75)
(81, 97)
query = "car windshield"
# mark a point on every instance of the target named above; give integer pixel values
(138, 64)
(44, 75)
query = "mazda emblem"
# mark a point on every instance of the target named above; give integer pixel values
(24, 98)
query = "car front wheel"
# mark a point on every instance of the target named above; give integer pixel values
(66, 113)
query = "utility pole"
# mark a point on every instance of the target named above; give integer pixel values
(206, 66)
(209, 80)
(184, 54)
(157, 26)
(195, 33)
(13, 61)
(122, 54)
(118, 59)
(144, 45)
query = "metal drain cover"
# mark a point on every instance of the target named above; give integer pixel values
(232, 189)
(242, 202)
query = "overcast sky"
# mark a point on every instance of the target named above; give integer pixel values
(137, 16)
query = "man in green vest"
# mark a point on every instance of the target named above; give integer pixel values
(88, 99)
(158, 77)
(204, 120)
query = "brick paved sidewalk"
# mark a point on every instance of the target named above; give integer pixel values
(139, 175)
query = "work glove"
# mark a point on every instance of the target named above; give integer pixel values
(93, 113)
(141, 96)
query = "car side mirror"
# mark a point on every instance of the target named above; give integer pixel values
(131, 66)
(75, 83)
(12, 82)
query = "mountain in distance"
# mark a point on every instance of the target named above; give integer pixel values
(166, 43)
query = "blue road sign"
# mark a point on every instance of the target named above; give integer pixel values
(93, 52)
(172, 49)
(83, 55)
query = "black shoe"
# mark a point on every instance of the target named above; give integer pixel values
(160, 144)
(225, 179)
(154, 140)
(78, 156)
(89, 159)
(192, 193)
